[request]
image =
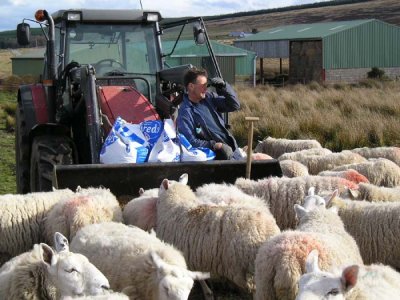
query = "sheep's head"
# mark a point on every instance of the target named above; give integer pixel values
(72, 273)
(174, 282)
(319, 285)
(313, 201)
(166, 184)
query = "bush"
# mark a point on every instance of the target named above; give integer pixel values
(376, 73)
(10, 123)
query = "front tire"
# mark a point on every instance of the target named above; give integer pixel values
(48, 151)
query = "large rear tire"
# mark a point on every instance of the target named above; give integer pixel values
(48, 151)
(21, 152)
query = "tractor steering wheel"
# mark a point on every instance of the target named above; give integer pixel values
(110, 60)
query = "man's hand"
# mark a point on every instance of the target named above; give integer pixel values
(218, 83)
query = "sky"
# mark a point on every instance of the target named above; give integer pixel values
(13, 11)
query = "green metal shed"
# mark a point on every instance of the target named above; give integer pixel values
(332, 51)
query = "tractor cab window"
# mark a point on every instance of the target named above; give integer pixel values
(116, 50)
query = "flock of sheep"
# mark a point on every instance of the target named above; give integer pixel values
(328, 229)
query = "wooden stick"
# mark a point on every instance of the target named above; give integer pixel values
(250, 144)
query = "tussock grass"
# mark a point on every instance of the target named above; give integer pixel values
(338, 116)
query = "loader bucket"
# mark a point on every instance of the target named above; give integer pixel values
(126, 179)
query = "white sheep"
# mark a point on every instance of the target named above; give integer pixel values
(301, 154)
(282, 193)
(276, 147)
(379, 171)
(86, 206)
(280, 260)
(319, 163)
(375, 227)
(106, 296)
(373, 193)
(348, 174)
(353, 282)
(142, 211)
(390, 153)
(220, 238)
(21, 220)
(43, 273)
(291, 168)
(136, 262)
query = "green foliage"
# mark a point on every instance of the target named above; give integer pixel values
(376, 73)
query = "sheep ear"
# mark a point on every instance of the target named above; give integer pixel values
(158, 262)
(184, 178)
(60, 242)
(354, 194)
(333, 196)
(164, 184)
(349, 277)
(312, 262)
(311, 191)
(198, 275)
(141, 191)
(300, 211)
(47, 255)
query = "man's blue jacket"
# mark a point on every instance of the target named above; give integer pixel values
(194, 127)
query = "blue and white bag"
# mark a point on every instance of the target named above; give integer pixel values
(165, 149)
(125, 143)
(189, 153)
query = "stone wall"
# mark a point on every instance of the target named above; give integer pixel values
(355, 75)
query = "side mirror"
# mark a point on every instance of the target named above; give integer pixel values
(198, 34)
(23, 34)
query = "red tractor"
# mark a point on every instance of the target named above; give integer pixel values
(101, 64)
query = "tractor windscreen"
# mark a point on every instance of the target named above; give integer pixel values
(115, 50)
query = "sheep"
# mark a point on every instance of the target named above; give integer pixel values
(142, 211)
(353, 282)
(348, 174)
(282, 193)
(379, 171)
(375, 227)
(291, 168)
(106, 296)
(136, 262)
(43, 273)
(280, 260)
(219, 238)
(277, 147)
(87, 206)
(21, 220)
(390, 153)
(372, 193)
(319, 163)
(300, 155)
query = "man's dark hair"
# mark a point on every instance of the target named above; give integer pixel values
(192, 74)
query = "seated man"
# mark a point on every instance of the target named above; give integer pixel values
(199, 117)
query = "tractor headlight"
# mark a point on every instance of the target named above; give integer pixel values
(151, 17)
(74, 16)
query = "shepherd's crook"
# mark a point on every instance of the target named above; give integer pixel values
(250, 144)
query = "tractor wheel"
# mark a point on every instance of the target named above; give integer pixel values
(48, 151)
(21, 152)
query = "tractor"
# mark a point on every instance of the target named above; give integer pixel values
(100, 65)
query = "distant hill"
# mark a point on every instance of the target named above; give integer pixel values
(384, 10)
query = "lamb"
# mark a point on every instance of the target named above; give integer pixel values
(277, 147)
(353, 282)
(280, 260)
(291, 168)
(142, 211)
(138, 263)
(372, 193)
(43, 273)
(21, 220)
(319, 163)
(87, 206)
(348, 174)
(379, 171)
(106, 296)
(219, 238)
(390, 153)
(375, 227)
(282, 193)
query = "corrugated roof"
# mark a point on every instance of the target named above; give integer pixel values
(304, 31)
